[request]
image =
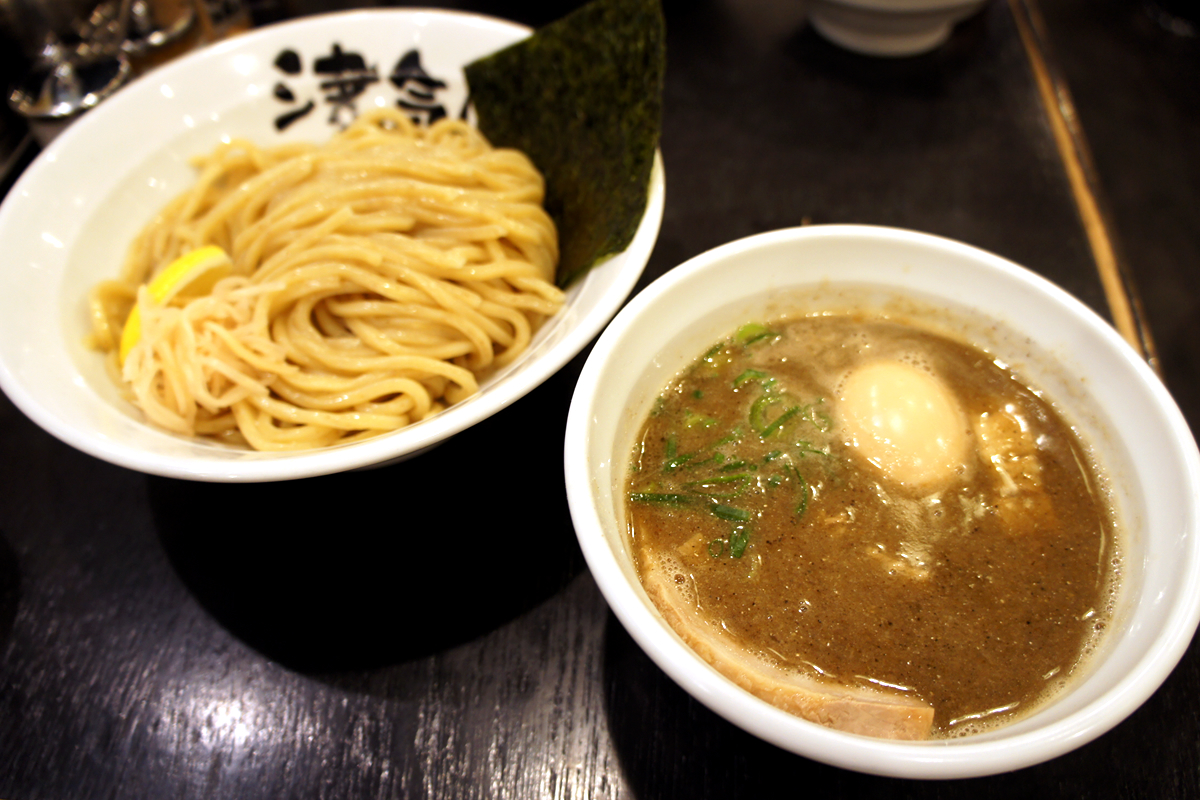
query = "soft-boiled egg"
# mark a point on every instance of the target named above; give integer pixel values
(906, 422)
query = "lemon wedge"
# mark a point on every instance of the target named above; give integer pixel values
(192, 274)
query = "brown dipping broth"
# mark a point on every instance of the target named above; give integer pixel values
(978, 603)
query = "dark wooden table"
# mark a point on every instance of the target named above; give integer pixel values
(402, 653)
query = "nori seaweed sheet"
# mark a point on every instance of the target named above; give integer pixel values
(582, 98)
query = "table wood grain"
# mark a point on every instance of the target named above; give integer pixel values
(429, 629)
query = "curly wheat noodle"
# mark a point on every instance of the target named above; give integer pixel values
(376, 280)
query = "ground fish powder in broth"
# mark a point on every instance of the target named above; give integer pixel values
(974, 577)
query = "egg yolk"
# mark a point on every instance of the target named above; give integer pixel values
(906, 422)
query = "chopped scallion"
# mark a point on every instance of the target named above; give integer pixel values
(738, 539)
(712, 351)
(677, 461)
(733, 436)
(802, 506)
(660, 497)
(753, 332)
(730, 513)
(718, 480)
(779, 421)
(694, 420)
(749, 375)
(804, 447)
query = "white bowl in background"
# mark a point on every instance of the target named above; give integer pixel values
(889, 27)
(1095, 379)
(67, 222)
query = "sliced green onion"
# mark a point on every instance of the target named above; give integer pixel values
(749, 375)
(804, 447)
(712, 351)
(821, 420)
(758, 410)
(730, 513)
(720, 479)
(693, 465)
(713, 460)
(738, 539)
(802, 506)
(694, 420)
(677, 461)
(660, 497)
(753, 332)
(733, 436)
(779, 421)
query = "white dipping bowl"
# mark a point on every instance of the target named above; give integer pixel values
(68, 221)
(889, 27)
(1138, 437)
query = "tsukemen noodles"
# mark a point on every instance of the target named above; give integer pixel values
(339, 291)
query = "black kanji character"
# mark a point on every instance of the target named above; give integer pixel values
(350, 76)
(417, 89)
(288, 62)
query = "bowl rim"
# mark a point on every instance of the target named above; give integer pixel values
(397, 445)
(935, 759)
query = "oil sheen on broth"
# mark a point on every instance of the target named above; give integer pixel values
(861, 505)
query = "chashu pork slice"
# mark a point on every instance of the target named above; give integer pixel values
(867, 712)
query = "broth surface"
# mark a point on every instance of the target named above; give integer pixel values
(973, 577)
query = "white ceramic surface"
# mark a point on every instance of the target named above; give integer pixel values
(890, 27)
(1054, 342)
(66, 224)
